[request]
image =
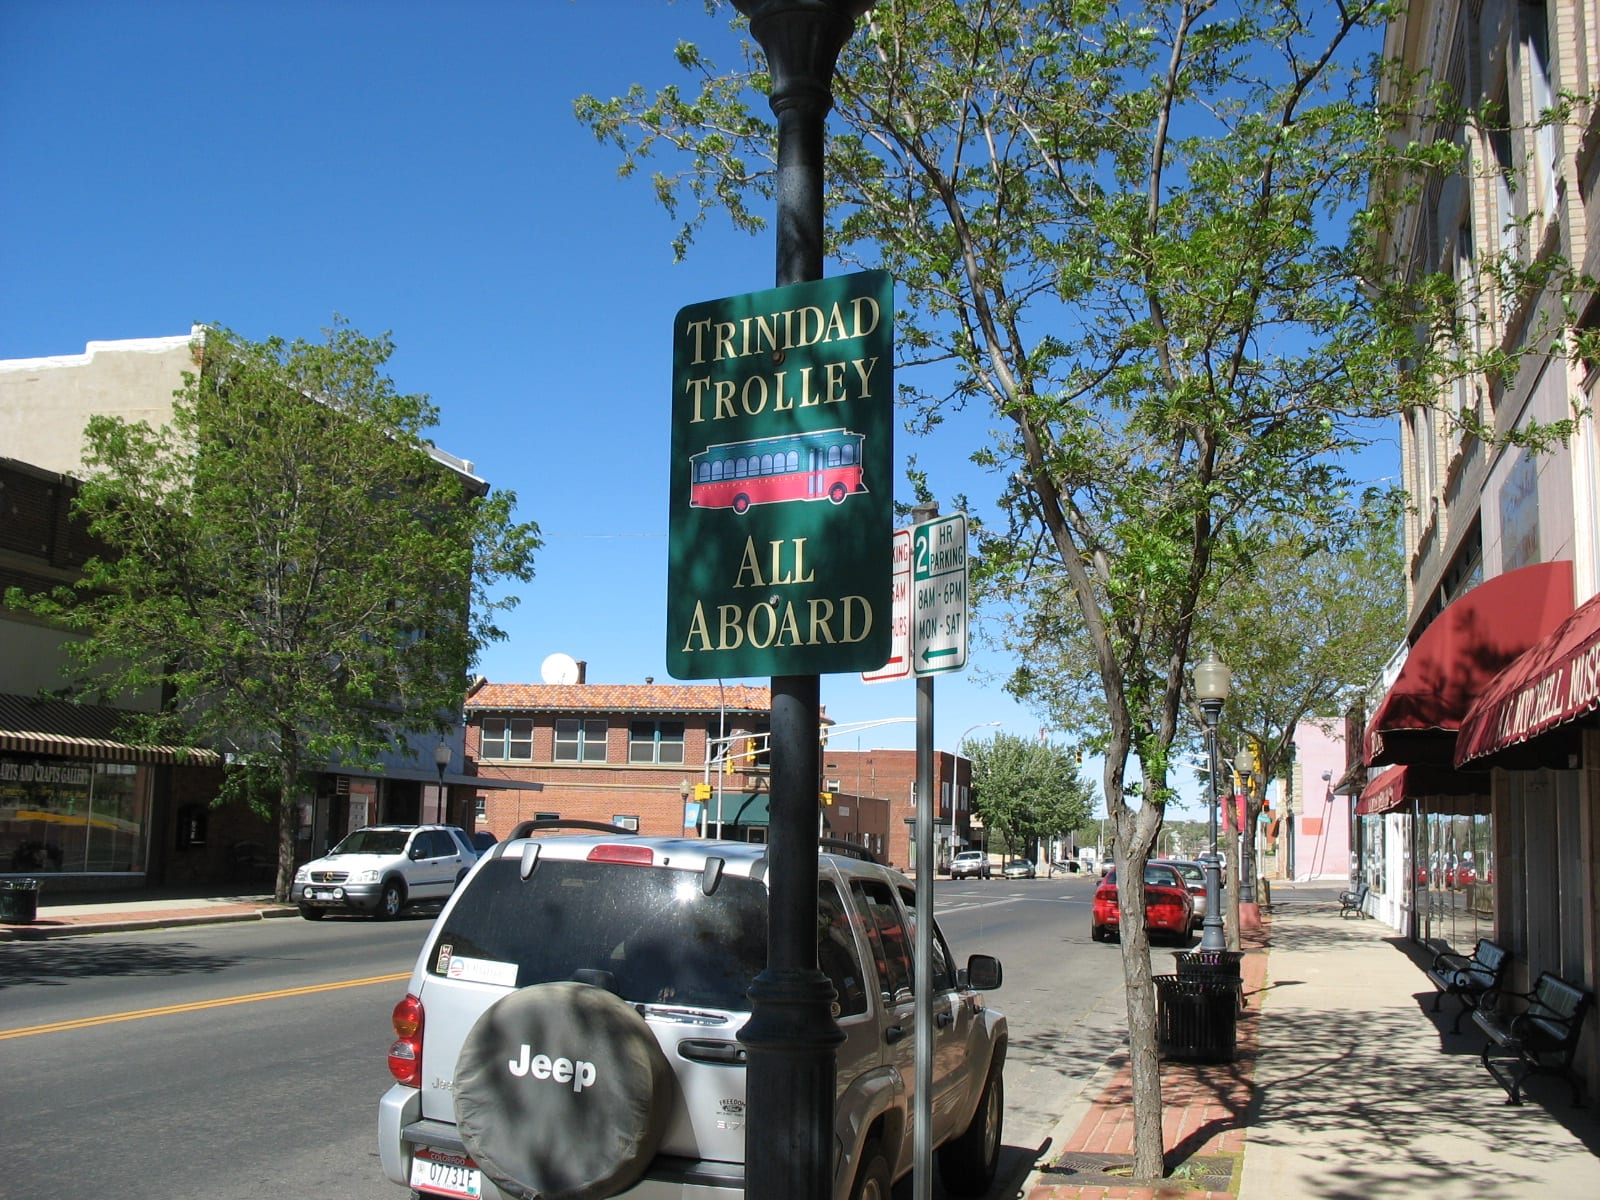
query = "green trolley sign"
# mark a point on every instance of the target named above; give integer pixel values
(781, 510)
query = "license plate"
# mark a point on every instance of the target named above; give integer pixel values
(444, 1174)
(322, 895)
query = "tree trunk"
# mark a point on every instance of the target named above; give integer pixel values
(1135, 832)
(288, 780)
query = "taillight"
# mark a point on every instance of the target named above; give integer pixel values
(405, 1054)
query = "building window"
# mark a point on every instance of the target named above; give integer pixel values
(580, 739)
(655, 742)
(547, 816)
(481, 808)
(506, 738)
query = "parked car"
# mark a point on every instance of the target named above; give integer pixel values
(571, 1027)
(1168, 906)
(970, 864)
(382, 868)
(1194, 878)
(1018, 868)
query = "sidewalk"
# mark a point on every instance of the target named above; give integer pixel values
(1346, 1085)
(113, 912)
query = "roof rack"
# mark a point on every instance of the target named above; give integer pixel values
(528, 828)
(848, 849)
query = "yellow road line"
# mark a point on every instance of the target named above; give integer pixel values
(196, 1006)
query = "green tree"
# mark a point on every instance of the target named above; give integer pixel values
(286, 564)
(1122, 229)
(1305, 631)
(1026, 790)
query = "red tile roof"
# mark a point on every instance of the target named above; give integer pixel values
(621, 697)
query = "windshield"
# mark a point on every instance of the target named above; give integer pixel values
(650, 934)
(373, 841)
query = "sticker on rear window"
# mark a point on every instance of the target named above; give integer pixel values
(482, 970)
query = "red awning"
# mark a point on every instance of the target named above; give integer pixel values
(1456, 659)
(1553, 684)
(1398, 784)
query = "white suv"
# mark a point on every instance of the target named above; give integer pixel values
(383, 868)
(571, 1027)
(970, 863)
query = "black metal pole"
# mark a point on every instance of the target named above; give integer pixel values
(1212, 935)
(791, 1038)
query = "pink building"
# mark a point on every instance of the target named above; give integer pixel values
(1313, 837)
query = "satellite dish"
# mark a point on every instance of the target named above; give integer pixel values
(559, 668)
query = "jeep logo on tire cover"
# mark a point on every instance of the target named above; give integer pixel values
(563, 1070)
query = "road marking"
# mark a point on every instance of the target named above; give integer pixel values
(196, 1006)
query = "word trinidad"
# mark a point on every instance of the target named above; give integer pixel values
(776, 334)
(769, 623)
(579, 1074)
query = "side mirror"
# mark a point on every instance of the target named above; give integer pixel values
(983, 972)
(417, 853)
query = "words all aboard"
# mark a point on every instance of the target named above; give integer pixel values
(774, 621)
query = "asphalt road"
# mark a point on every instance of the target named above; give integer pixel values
(239, 1062)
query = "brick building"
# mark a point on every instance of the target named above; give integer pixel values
(686, 758)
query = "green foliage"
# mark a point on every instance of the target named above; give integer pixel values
(1026, 790)
(284, 561)
(1152, 240)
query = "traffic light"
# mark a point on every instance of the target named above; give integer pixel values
(702, 791)
(827, 798)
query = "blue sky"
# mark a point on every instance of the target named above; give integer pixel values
(416, 168)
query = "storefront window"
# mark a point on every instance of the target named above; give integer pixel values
(1372, 853)
(1455, 874)
(67, 816)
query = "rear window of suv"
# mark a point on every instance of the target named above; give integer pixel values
(650, 934)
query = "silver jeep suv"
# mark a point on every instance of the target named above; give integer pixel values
(571, 1027)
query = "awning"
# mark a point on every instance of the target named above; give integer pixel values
(1397, 785)
(1553, 684)
(89, 731)
(1456, 659)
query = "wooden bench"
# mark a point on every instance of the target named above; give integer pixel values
(1468, 976)
(1354, 901)
(1540, 1039)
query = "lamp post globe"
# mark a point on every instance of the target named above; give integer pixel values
(1212, 680)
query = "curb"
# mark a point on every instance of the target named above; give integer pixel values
(64, 929)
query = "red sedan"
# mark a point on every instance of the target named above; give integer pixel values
(1168, 906)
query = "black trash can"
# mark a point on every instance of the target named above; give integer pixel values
(19, 901)
(1197, 1018)
(1220, 965)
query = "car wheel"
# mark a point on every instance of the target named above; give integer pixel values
(311, 914)
(967, 1164)
(1096, 933)
(872, 1178)
(561, 1092)
(393, 899)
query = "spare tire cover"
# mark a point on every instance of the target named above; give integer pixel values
(562, 1093)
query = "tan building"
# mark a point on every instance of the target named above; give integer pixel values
(1483, 816)
(75, 800)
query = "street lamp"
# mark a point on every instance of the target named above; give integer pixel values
(441, 759)
(961, 741)
(1211, 681)
(1245, 763)
(791, 1040)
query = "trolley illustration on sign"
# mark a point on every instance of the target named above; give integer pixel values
(823, 464)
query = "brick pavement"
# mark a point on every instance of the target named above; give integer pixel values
(1205, 1111)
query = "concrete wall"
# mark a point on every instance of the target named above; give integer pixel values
(46, 402)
